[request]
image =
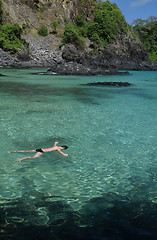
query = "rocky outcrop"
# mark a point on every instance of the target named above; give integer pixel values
(44, 52)
(127, 53)
(74, 68)
(6, 60)
(123, 54)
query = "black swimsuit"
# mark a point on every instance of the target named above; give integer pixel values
(39, 150)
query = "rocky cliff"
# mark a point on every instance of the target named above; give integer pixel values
(122, 54)
(42, 12)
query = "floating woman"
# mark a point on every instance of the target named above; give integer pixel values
(40, 151)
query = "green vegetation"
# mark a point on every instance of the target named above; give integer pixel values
(10, 37)
(82, 25)
(1, 12)
(82, 2)
(72, 35)
(41, 9)
(107, 24)
(43, 31)
(147, 33)
(55, 25)
(75, 33)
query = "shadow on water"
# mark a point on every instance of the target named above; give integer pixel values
(43, 93)
(150, 80)
(135, 92)
(110, 216)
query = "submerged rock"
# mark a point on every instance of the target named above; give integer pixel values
(115, 84)
(1, 75)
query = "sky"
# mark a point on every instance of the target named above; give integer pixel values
(134, 9)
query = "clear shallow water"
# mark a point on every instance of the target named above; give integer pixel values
(111, 134)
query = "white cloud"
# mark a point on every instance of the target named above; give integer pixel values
(137, 3)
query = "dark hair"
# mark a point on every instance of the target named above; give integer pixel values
(64, 146)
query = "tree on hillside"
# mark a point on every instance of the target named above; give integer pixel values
(10, 37)
(108, 22)
(147, 33)
(72, 35)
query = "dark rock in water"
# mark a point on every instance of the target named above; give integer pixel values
(74, 68)
(1, 75)
(85, 69)
(115, 84)
(123, 73)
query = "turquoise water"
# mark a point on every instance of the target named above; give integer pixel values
(111, 134)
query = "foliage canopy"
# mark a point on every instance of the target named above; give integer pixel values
(147, 33)
(55, 24)
(43, 31)
(107, 23)
(10, 37)
(73, 35)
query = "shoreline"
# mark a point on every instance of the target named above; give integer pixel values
(59, 66)
(70, 61)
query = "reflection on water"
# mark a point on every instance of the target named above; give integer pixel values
(107, 185)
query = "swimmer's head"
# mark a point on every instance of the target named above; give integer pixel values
(64, 146)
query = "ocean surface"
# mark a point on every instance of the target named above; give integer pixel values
(107, 186)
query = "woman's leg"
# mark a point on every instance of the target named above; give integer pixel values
(38, 154)
(22, 151)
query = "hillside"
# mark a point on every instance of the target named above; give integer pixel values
(35, 13)
(95, 37)
(147, 33)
